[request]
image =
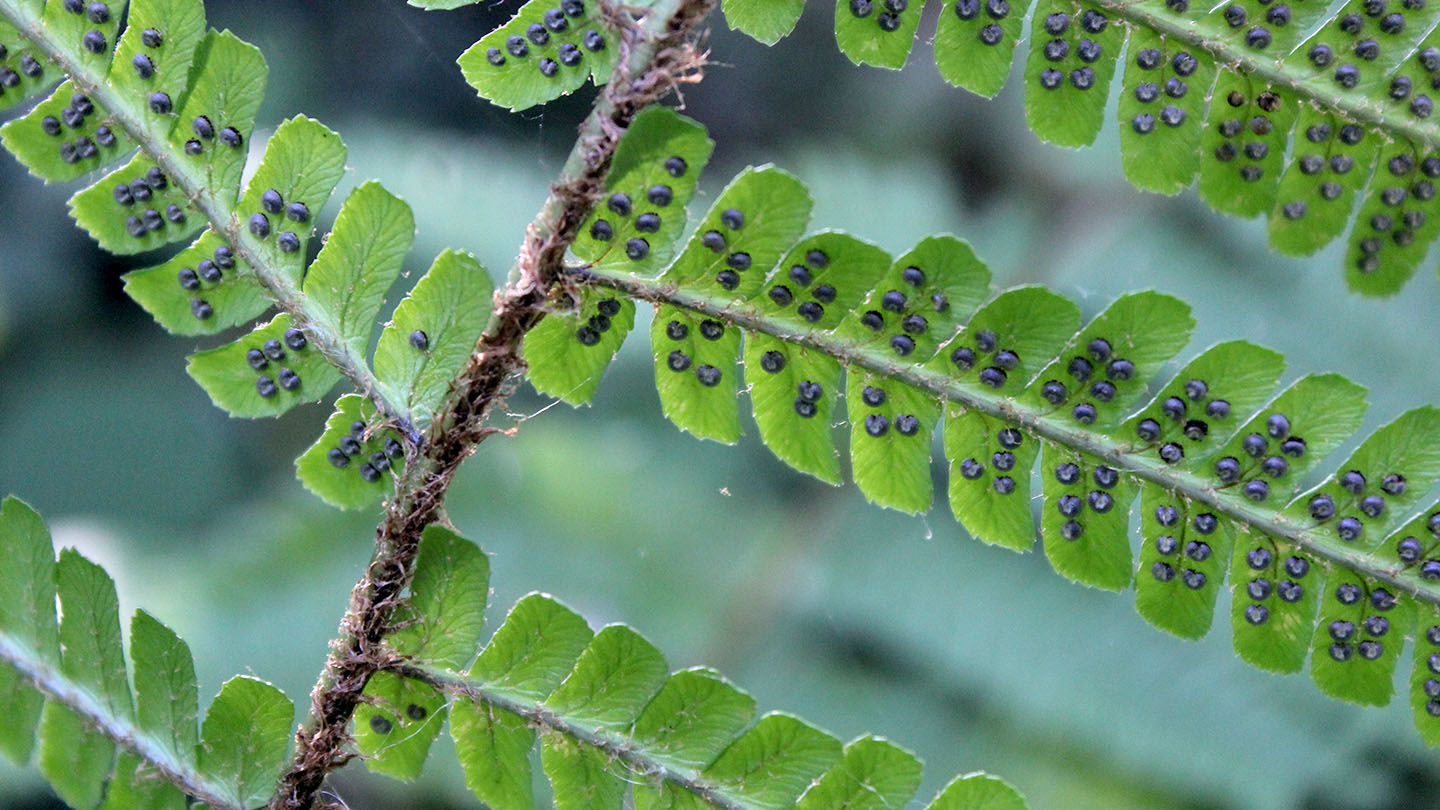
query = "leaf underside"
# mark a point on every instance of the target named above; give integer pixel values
(1217, 457)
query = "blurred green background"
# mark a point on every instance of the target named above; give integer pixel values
(856, 618)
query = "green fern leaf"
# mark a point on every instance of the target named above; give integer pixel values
(265, 373)
(1318, 191)
(61, 157)
(395, 728)
(1425, 675)
(544, 52)
(874, 774)
(766, 20)
(245, 739)
(617, 674)
(1065, 96)
(494, 750)
(1159, 117)
(580, 775)
(346, 467)
(692, 718)
(1217, 467)
(88, 715)
(636, 185)
(23, 69)
(448, 595)
(348, 281)
(432, 333)
(978, 791)
(772, 762)
(870, 35)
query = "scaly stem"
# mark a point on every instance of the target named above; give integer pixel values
(656, 51)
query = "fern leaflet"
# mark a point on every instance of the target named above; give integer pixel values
(1216, 457)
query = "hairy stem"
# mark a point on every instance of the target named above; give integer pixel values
(150, 132)
(657, 50)
(120, 730)
(1116, 453)
(615, 745)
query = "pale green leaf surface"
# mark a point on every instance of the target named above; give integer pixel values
(110, 222)
(361, 259)
(696, 373)
(166, 696)
(967, 51)
(765, 20)
(236, 298)
(303, 161)
(1363, 626)
(450, 306)
(691, 720)
(1092, 545)
(823, 277)
(183, 25)
(134, 786)
(245, 738)
(773, 209)
(494, 750)
(16, 62)
(533, 651)
(978, 791)
(994, 504)
(1273, 632)
(73, 757)
(1161, 111)
(772, 762)
(1065, 98)
(1390, 240)
(227, 91)
(880, 37)
(68, 31)
(580, 775)
(44, 155)
(799, 433)
(447, 600)
(1425, 675)
(873, 774)
(567, 363)
(339, 466)
(27, 614)
(1182, 567)
(1242, 149)
(521, 63)
(890, 440)
(235, 386)
(395, 730)
(615, 677)
(1328, 169)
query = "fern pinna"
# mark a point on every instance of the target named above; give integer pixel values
(1339, 573)
(1320, 120)
(610, 720)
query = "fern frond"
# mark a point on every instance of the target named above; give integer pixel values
(187, 99)
(1216, 457)
(1213, 97)
(66, 684)
(610, 720)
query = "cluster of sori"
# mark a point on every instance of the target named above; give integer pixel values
(1270, 575)
(599, 323)
(1410, 550)
(889, 18)
(620, 205)
(1352, 33)
(1177, 560)
(992, 33)
(10, 77)
(679, 361)
(537, 35)
(1426, 70)
(1081, 368)
(1003, 461)
(141, 190)
(1078, 58)
(802, 276)
(1340, 143)
(913, 322)
(1180, 422)
(1232, 130)
(1356, 493)
(260, 358)
(93, 40)
(205, 131)
(1398, 215)
(1431, 685)
(206, 274)
(375, 456)
(380, 724)
(1182, 65)
(73, 117)
(1099, 500)
(274, 206)
(968, 353)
